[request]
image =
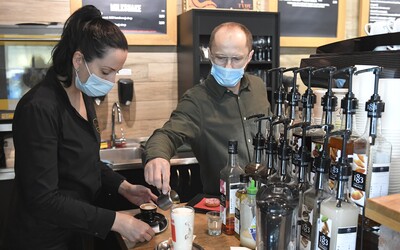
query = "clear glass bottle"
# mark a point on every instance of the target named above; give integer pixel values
(337, 228)
(241, 194)
(248, 218)
(311, 204)
(229, 182)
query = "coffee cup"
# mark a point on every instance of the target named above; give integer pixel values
(148, 212)
(379, 27)
(182, 226)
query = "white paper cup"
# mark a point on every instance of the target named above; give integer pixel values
(182, 225)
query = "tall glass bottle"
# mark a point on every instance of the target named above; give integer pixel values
(229, 183)
(339, 215)
(241, 194)
(376, 173)
(311, 204)
(248, 217)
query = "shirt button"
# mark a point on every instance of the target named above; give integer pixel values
(248, 140)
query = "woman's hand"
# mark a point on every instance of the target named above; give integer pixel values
(136, 194)
(131, 228)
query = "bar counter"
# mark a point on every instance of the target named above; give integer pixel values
(200, 230)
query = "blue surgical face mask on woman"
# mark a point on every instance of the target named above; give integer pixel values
(94, 86)
(227, 77)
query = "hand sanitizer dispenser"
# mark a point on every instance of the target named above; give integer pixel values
(125, 91)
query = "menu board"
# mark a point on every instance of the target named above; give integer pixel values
(383, 10)
(144, 22)
(310, 23)
(304, 18)
(134, 16)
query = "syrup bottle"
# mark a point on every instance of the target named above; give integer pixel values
(338, 221)
(229, 183)
(311, 203)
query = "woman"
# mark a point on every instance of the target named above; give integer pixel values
(58, 171)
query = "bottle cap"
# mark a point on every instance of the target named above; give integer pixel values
(252, 188)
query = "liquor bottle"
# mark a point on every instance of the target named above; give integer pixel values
(337, 228)
(241, 194)
(248, 217)
(229, 184)
(257, 169)
(311, 204)
(376, 173)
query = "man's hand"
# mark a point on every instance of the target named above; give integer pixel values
(157, 173)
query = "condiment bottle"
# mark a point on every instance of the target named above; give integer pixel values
(248, 217)
(229, 182)
(311, 204)
(376, 173)
(241, 194)
(338, 221)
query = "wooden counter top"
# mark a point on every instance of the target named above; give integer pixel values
(385, 210)
(220, 242)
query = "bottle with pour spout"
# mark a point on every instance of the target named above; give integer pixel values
(358, 146)
(312, 198)
(339, 215)
(229, 184)
(257, 169)
(376, 173)
(248, 226)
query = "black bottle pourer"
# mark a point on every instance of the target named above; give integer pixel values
(308, 99)
(343, 167)
(374, 106)
(279, 94)
(329, 100)
(284, 148)
(322, 162)
(301, 158)
(271, 146)
(349, 103)
(258, 139)
(293, 97)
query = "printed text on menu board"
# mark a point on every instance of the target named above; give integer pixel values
(134, 16)
(304, 18)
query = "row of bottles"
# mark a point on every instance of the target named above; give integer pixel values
(293, 196)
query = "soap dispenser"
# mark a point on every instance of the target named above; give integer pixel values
(125, 91)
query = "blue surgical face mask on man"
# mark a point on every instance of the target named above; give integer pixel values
(227, 77)
(94, 86)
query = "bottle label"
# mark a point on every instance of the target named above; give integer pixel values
(233, 188)
(324, 232)
(359, 178)
(222, 190)
(306, 227)
(252, 228)
(379, 180)
(237, 216)
(346, 238)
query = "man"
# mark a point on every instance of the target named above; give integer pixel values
(212, 113)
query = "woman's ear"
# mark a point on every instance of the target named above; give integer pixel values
(77, 60)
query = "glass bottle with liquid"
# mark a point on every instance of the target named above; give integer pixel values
(338, 220)
(229, 183)
(241, 194)
(248, 217)
(318, 192)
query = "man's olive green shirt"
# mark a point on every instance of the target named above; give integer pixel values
(207, 117)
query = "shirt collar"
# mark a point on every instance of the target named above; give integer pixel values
(220, 91)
